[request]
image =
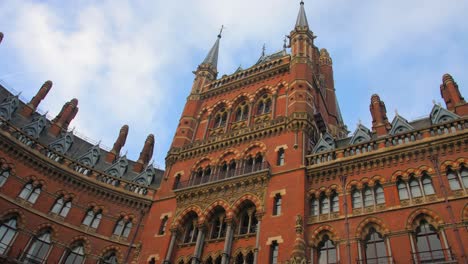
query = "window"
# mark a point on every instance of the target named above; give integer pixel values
(324, 204)
(274, 249)
(30, 193)
(464, 176)
(368, 196)
(428, 244)
(356, 198)
(402, 190)
(162, 227)
(176, 182)
(415, 188)
(61, 207)
(314, 208)
(109, 258)
(4, 174)
(326, 251)
(375, 251)
(379, 193)
(220, 118)
(453, 180)
(280, 160)
(92, 219)
(277, 204)
(7, 234)
(427, 185)
(264, 105)
(75, 255)
(218, 227)
(39, 248)
(123, 228)
(248, 220)
(242, 112)
(335, 206)
(191, 231)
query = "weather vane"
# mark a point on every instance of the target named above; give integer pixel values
(221, 31)
(263, 50)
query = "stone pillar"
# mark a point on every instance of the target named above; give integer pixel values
(228, 242)
(199, 245)
(257, 241)
(167, 259)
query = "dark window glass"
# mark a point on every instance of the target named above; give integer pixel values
(274, 249)
(162, 227)
(402, 190)
(356, 198)
(75, 255)
(280, 159)
(415, 188)
(453, 180)
(38, 249)
(109, 258)
(375, 248)
(427, 185)
(277, 204)
(7, 234)
(428, 244)
(326, 251)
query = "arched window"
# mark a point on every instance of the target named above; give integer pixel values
(39, 248)
(162, 227)
(248, 220)
(277, 204)
(176, 182)
(30, 193)
(334, 200)
(240, 258)
(427, 185)
(453, 180)
(232, 168)
(248, 165)
(75, 255)
(258, 162)
(264, 105)
(123, 228)
(415, 188)
(379, 193)
(356, 198)
(368, 196)
(219, 259)
(8, 231)
(326, 251)
(4, 174)
(61, 207)
(242, 112)
(109, 258)
(428, 244)
(217, 223)
(92, 219)
(220, 118)
(314, 206)
(249, 259)
(209, 260)
(402, 190)
(324, 204)
(280, 159)
(191, 230)
(464, 176)
(375, 251)
(274, 250)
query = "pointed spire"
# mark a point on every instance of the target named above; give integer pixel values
(212, 57)
(301, 21)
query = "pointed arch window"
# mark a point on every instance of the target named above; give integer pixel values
(379, 193)
(30, 193)
(92, 218)
(39, 248)
(123, 227)
(248, 221)
(427, 185)
(326, 251)
(163, 226)
(277, 200)
(242, 112)
(218, 226)
(191, 231)
(61, 207)
(264, 105)
(368, 196)
(464, 176)
(375, 250)
(429, 248)
(402, 190)
(109, 258)
(8, 231)
(274, 250)
(314, 206)
(453, 180)
(176, 182)
(356, 198)
(75, 255)
(324, 204)
(281, 156)
(334, 202)
(240, 258)
(4, 174)
(415, 188)
(220, 118)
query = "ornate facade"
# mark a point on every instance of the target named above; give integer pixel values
(262, 169)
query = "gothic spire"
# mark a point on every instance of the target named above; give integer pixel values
(301, 21)
(212, 57)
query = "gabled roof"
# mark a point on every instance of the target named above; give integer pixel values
(325, 143)
(91, 157)
(146, 176)
(63, 144)
(441, 115)
(8, 107)
(362, 134)
(265, 58)
(35, 128)
(400, 125)
(119, 168)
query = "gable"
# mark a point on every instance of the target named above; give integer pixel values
(8, 107)
(441, 115)
(362, 134)
(119, 168)
(400, 125)
(91, 157)
(63, 144)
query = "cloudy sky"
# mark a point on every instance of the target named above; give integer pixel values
(131, 62)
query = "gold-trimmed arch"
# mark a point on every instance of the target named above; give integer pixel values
(353, 183)
(207, 213)
(84, 239)
(239, 98)
(430, 216)
(263, 90)
(20, 220)
(200, 161)
(247, 197)
(378, 178)
(318, 233)
(180, 219)
(377, 223)
(252, 146)
(227, 152)
(218, 105)
(117, 250)
(53, 230)
(7, 165)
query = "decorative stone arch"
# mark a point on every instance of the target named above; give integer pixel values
(213, 255)
(403, 174)
(180, 219)
(185, 259)
(461, 162)
(208, 212)
(240, 98)
(367, 181)
(6, 165)
(465, 214)
(280, 85)
(236, 206)
(264, 90)
(227, 153)
(420, 171)
(448, 163)
(86, 243)
(51, 227)
(20, 218)
(363, 227)
(117, 250)
(243, 250)
(202, 161)
(335, 187)
(248, 150)
(423, 213)
(353, 183)
(379, 178)
(213, 109)
(320, 231)
(205, 110)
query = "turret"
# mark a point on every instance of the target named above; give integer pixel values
(452, 97)
(326, 69)
(380, 124)
(119, 143)
(145, 154)
(36, 100)
(63, 119)
(302, 39)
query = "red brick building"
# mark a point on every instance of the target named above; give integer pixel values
(261, 170)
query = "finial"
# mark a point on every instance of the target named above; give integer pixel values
(284, 42)
(302, 2)
(359, 122)
(396, 112)
(263, 50)
(434, 102)
(220, 31)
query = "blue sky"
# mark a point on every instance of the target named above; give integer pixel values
(131, 62)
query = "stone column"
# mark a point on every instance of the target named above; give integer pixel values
(167, 259)
(257, 241)
(199, 245)
(228, 242)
